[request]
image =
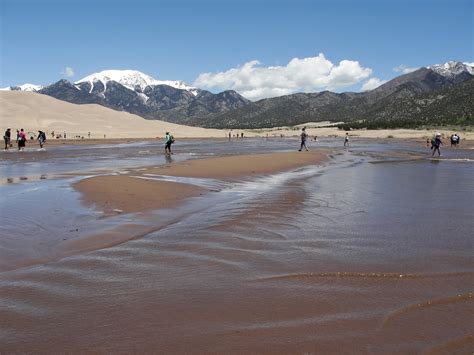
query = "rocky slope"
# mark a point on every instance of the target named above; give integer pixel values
(138, 93)
(348, 107)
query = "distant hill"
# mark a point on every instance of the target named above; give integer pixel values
(380, 104)
(450, 106)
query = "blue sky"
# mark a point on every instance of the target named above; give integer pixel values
(183, 40)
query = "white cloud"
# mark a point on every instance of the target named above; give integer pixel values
(404, 69)
(255, 81)
(68, 71)
(372, 83)
(471, 64)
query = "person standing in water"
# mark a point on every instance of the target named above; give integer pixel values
(169, 139)
(41, 138)
(304, 137)
(21, 140)
(437, 142)
(455, 140)
(7, 138)
(346, 140)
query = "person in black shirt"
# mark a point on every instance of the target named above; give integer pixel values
(304, 137)
(41, 138)
(7, 138)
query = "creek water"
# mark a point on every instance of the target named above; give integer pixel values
(370, 252)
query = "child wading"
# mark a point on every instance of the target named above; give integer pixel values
(169, 139)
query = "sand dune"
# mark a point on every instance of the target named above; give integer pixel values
(33, 111)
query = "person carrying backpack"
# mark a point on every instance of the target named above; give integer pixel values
(169, 139)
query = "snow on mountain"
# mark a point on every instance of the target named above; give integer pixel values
(452, 68)
(132, 79)
(24, 87)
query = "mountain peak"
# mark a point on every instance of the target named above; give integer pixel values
(24, 87)
(452, 68)
(132, 79)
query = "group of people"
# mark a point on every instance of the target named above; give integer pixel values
(455, 140)
(304, 137)
(21, 138)
(436, 142)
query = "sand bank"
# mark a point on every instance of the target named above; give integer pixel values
(233, 167)
(128, 193)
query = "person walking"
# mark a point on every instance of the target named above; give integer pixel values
(41, 138)
(304, 137)
(346, 140)
(437, 142)
(7, 138)
(169, 139)
(21, 140)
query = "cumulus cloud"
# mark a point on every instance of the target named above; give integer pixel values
(372, 83)
(404, 69)
(68, 71)
(255, 81)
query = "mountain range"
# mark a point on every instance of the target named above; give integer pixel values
(374, 106)
(420, 96)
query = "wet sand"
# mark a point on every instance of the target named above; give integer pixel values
(367, 252)
(128, 194)
(233, 167)
(134, 193)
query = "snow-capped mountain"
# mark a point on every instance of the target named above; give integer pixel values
(135, 92)
(24, 87)
(133, 80)
(452, 69)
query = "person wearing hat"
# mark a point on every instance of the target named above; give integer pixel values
(437, 142)
(7, 138)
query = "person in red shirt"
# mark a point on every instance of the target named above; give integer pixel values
(21, 140)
